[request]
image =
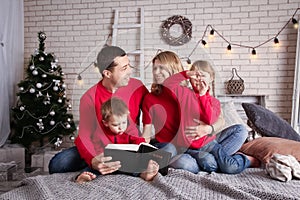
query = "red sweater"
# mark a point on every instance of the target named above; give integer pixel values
(162, 111)
(91, 128)
(193, 106)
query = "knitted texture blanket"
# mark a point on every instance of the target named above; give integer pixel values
(178, 184)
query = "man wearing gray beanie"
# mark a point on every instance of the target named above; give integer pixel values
(113, 64)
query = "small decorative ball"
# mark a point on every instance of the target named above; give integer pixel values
(63, 85)
(52, 122)
(36, 52)
(31, 67)
(22, 108)
(40, 120)
(59, 100)
(38, 85)
(69, 119)
(35, 72)
(21, 88)
(70, 106)
(32, 90)
(41, 127)
(68, 126)
(52, 113)
(55, 88)
(41, 58)
(44, 75)
(72, 137)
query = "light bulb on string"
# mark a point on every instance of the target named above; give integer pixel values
(204, 43)
(79, 80)
(229, 48)
(295, 22)
(276, 42)
(253, 53)
(211, 34)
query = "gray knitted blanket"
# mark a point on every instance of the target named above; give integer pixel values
(178, 184)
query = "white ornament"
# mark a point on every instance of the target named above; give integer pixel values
(36, 52)
(55, 88)
(41, 58)
(63, 85)
(44, 75)
(52, 113)
(38, 85)
(35, 72)
(52, 122)
(68, 126)
(59, 100)
(69, 119)
(21, 88)
(31, 67)
(22, 108)
(32, 90)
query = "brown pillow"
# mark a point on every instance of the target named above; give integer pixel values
(263, 148)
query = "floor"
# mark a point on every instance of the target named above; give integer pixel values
(6, 186)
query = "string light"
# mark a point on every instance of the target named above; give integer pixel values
(230, 44)
(295, 22)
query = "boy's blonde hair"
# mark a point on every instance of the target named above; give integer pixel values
(172, 63)
(113, 106)
(206, 67)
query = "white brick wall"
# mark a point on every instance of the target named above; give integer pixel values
(77, 29)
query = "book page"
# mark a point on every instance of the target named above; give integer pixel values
(128, 147)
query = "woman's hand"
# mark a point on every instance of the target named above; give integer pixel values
(198, 131)
(101, 164)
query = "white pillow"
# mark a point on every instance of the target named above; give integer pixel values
(231, 116)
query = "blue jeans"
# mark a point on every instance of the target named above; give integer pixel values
(67, 160)
(217, 155)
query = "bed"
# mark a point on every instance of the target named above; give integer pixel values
(253, 183)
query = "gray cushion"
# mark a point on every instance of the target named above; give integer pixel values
(267, 123)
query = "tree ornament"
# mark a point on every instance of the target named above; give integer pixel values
(58, 142)
(36, 52)
(40, 124)
(44, 75)
(68, 126)
(38, 85)
(52, 123)
(39, 94)
(32, 67)
(55, 88)
(41, 58)
(52, 113)
(32, 90)
(35, 72)
(59, 100)
(22, 108)
(21, 89)
(185, 25)
(63, 86)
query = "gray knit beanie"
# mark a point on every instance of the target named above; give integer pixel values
(107, 55)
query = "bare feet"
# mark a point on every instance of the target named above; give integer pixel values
(85, 177)
(254, 161)
(151, 171)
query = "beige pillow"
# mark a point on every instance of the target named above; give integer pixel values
(263, 148)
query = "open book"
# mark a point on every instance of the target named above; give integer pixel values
(134, 158)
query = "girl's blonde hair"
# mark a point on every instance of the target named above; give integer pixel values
(206, 67)
(172, 63)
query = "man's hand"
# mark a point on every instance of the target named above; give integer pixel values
(101, 164)
(196, 132)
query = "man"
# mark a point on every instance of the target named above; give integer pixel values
(113, 64)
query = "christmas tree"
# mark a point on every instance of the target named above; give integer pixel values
(42, 112)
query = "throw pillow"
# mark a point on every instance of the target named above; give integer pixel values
(231, 116)
(263, 148)
(267, 123)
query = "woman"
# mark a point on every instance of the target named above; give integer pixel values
(162, 108)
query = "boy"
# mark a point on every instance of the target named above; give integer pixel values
(115, 115)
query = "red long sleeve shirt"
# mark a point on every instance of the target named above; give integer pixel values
(91, 138)
(192, 106)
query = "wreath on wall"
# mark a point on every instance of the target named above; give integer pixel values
(185, 25)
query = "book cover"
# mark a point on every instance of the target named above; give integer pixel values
(134, 158)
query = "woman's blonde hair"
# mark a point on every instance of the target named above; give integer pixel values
(172, 63)
(206, 67)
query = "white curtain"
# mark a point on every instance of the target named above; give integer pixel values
(11, 59)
